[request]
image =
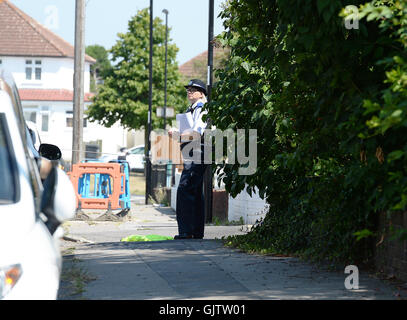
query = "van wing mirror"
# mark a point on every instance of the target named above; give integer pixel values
(50, 151)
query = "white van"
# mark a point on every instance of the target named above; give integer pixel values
(35, 198)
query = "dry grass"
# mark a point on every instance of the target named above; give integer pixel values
(74, 278)
(137, 183)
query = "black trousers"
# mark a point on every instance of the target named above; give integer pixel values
(190, 201)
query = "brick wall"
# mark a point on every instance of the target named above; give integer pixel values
(391, 255)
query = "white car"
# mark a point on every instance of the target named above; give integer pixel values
(135, 158)
(35, 198)
(107, 157)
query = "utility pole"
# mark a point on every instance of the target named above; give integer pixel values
(150, 102)
(165, 81)
(208, 171)
(79, 68)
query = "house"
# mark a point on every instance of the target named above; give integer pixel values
(42, 65)
(197, 67)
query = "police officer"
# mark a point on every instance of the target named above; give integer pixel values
(190, 203)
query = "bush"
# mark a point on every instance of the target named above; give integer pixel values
(327, 105)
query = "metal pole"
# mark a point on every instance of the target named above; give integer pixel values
(79, 67)
(208, 171)
(165, 81)
(150, 101)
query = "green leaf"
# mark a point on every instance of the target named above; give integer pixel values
(322, 4)
(396, 113)
(395, 155)
(363, 234)
(400, 234)
(374, 122)
(327, 16)
(246, 66)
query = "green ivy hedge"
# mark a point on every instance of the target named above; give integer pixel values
(329, 107)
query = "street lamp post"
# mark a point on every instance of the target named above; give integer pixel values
(208, 181)
(165, 11)
(150, 102)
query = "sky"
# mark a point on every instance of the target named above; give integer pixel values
(188, 20)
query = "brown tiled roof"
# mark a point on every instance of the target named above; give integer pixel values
(197, 67)
(49, 95)
(21, 35)
(188, 69)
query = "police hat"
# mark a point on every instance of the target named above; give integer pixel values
(196, 83)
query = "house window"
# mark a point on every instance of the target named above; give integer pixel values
(44, 119)
(28, 69)
(69, 120)
(30, 115)
(28, 73)
(40, 115)
(44, 122)
(38, 69)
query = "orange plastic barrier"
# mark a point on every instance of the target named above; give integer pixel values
(112, 169)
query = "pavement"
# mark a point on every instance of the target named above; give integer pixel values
(191, 269)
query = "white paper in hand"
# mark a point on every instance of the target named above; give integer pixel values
(185, 122)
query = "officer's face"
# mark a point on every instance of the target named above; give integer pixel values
(194, 94)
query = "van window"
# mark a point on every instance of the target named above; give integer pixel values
(8, 191)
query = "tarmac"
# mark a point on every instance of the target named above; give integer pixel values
(192, 269)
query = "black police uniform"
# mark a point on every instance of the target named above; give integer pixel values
(190, 201)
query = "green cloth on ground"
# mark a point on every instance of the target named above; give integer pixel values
(149, 237)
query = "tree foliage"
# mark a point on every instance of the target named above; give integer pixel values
(124, 96)
(102, 68)
(328, 106)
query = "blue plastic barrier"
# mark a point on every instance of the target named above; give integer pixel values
(102, 185)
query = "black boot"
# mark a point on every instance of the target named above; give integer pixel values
(183, 236)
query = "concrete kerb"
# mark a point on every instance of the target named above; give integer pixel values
(142, 219)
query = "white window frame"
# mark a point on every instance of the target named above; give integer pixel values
(69, 115)
(42, 116)
(45, 114)
(38, 68)
(28, 67)
(33, 67)
(31, 109)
